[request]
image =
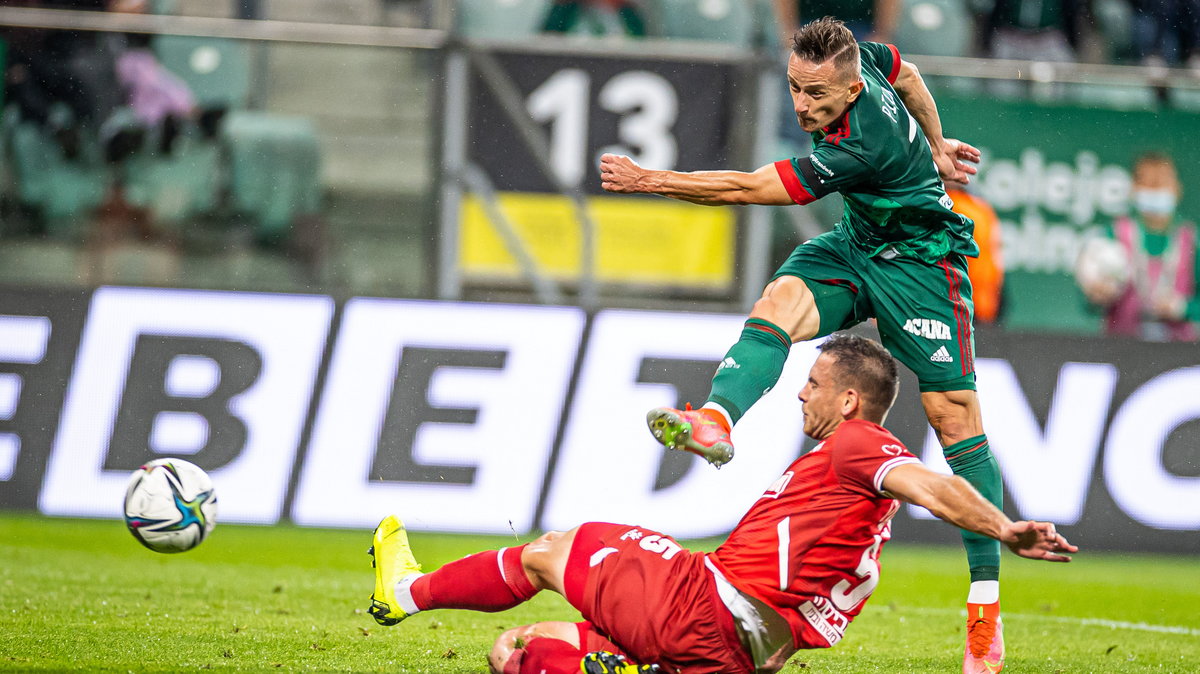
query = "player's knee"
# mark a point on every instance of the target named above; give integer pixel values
(954, 415)
(544, 555)
(788, 303)
(538, 551)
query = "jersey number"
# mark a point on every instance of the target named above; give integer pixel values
(846, 596)
(660, 546)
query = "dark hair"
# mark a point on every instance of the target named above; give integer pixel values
(1153, 157)
(865, 366)
(825, 39)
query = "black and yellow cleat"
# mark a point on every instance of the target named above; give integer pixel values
(603, 662)
(393, 560)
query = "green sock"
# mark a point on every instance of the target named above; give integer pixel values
(750, 367)
(972, 460)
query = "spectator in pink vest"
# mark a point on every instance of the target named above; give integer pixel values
(1158, 301)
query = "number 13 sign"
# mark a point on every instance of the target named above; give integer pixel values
(664, 114)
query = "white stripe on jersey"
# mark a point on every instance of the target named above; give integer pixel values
(887, 466)
(784, 530)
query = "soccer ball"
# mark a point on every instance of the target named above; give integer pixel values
(1102, 261)
(170, 505)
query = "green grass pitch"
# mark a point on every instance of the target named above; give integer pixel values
(83, 595)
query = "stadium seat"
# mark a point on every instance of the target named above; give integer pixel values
(178, 186)
(274, 169)
(61, 192)
(217, 70)
(509, 19)
(1115, 96)
(934, 28)
(273, 160)
(1114, 19)
(1184, 99)
(732, 22)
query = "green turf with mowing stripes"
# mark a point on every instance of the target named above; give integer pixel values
(83, 595)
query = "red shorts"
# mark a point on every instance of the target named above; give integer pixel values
(653, 599)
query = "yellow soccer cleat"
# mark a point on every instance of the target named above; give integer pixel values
(603, 662)
(393, 560)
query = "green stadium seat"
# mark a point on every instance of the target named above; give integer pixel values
(216, 69)
(509, 19)
(732, 22)
(1115, 96)
(62, 192)
(1114, 19)
(935, 28)
(178, 186)
(1184, 99)
(274, 169)
(273, 160)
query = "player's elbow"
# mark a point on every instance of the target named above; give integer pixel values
(756, 189)
(740, 197)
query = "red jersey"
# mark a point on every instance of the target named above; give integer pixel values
(810, 545)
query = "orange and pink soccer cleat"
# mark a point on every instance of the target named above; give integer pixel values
(984, 652)
(702, 432)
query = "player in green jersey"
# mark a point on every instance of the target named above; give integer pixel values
(898, 255)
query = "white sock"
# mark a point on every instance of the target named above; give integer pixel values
(404, 593)
(723, 412)
(984, 592)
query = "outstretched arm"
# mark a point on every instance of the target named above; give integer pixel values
(619, 173)
(954, 500)
(954, 158)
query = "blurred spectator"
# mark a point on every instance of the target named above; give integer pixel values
(871, 20)
(1154, 297)
(615, 16)
(61, 80)
(1035, 30)
(986, 272)
(1167, 32)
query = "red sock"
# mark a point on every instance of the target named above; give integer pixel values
(487, 581)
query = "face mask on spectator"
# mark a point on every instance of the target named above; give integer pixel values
(1154, 202)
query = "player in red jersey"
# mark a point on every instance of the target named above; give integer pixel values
(793, 574)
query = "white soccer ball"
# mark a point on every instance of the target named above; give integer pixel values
(1102, 261)
(170, 505)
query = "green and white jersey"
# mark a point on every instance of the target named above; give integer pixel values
(877, 157)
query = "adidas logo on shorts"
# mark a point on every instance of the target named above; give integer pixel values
(941, 356)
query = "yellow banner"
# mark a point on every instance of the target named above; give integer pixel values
(638, 241)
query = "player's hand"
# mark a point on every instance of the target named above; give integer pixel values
(1103, 292)
(1169, 306)
(955, 161)
(619, 173)
(1037, 540)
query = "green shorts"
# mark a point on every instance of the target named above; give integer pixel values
(924, 311)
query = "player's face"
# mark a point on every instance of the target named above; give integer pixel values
(823, 399)
(1155, 192)
(820, 93)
